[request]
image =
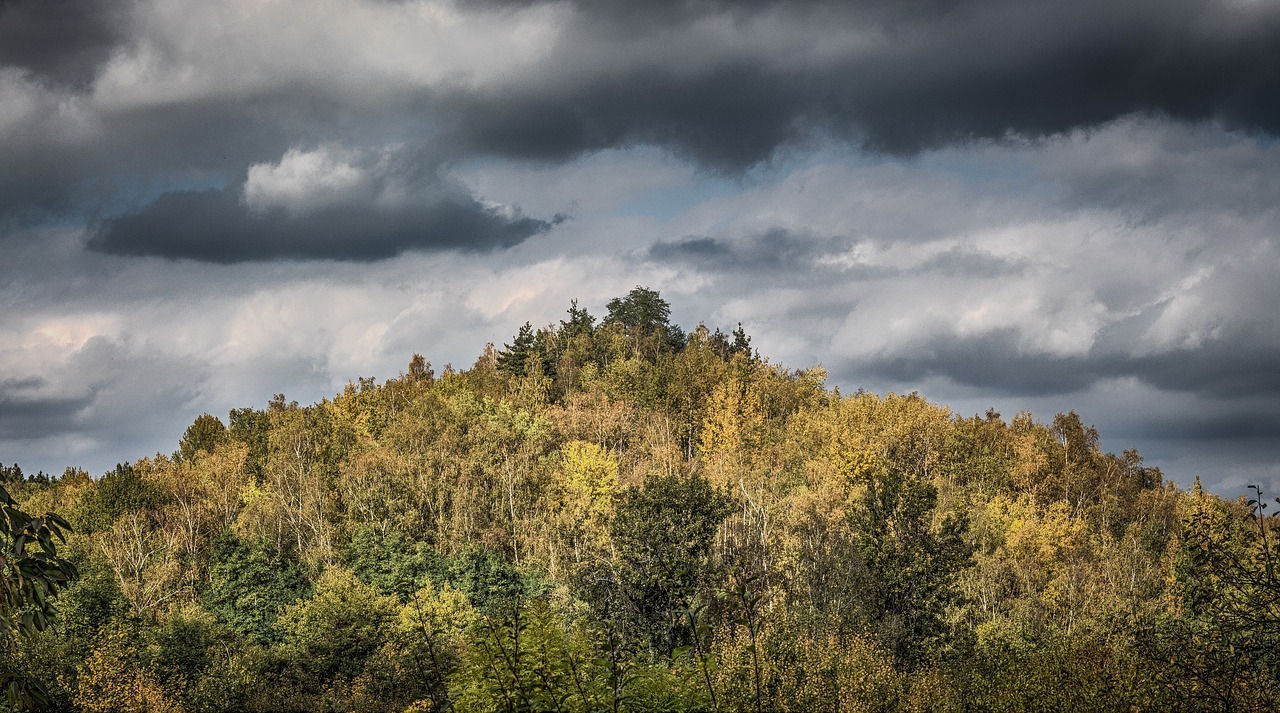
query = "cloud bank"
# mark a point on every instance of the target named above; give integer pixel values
(1025, 205)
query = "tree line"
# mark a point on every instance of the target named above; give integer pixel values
(617, 515)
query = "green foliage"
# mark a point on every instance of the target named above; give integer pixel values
(30, 569)
(645, 318)
(433, 631)
(120, 491)
(393, 563)
(251, 427)
(339, 626)
(776, 670)
(487, 580)
(399, 567)
(250, 582)
(530, 354)
(662, 533)
(1080, 672)
(202, 436)
(92, 601)
(1223, 652)
(911, 565)
(13, 474)
(31, 573)
(531, 659)
(579, 324)
(184, 647)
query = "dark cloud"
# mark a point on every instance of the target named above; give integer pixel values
(63, 41)
(37, 418)
(217, 226)
(729, 118)
(1242, 425)
(996, 361)
(692, 249)
(937, 73)
(772, 250)
(1226, 368)
(202, 143)
(156, 157)
(25, 412)
(966, 262)
(915, 75)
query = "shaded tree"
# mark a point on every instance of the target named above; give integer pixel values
(249, 582)
(646, 319)
(911, 565)
(202, 436)
(662, 533)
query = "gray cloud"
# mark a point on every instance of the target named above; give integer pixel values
(25, 412)
(772, 250)
(968, 262)
(780, 249)
(104, 398)
(63, 41)
(923, 76)
(217, 226)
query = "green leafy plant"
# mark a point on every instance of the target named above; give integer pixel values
(30, 573)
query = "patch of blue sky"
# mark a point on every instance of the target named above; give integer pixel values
(131, 193)
(666, 202)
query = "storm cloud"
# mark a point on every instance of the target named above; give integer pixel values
(217, 226)
(728, 84)
(65, 41)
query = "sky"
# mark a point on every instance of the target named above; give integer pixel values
(1026, 205)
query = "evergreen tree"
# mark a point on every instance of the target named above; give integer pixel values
(580, 322)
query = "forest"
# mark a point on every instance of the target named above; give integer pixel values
(613, 514)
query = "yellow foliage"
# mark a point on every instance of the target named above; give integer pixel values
(587, 485)
(859, 435)
(824, 672)
(590, 479)
(445, 615)
(111, 681)
(352, 408)
(223, 479)
(730, 431)
(1031, 464)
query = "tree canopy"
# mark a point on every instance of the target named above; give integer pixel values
(603, 516)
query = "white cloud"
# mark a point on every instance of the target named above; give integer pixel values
(186, 52)
(305, 180)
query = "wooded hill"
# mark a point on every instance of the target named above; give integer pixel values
(620, 516)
